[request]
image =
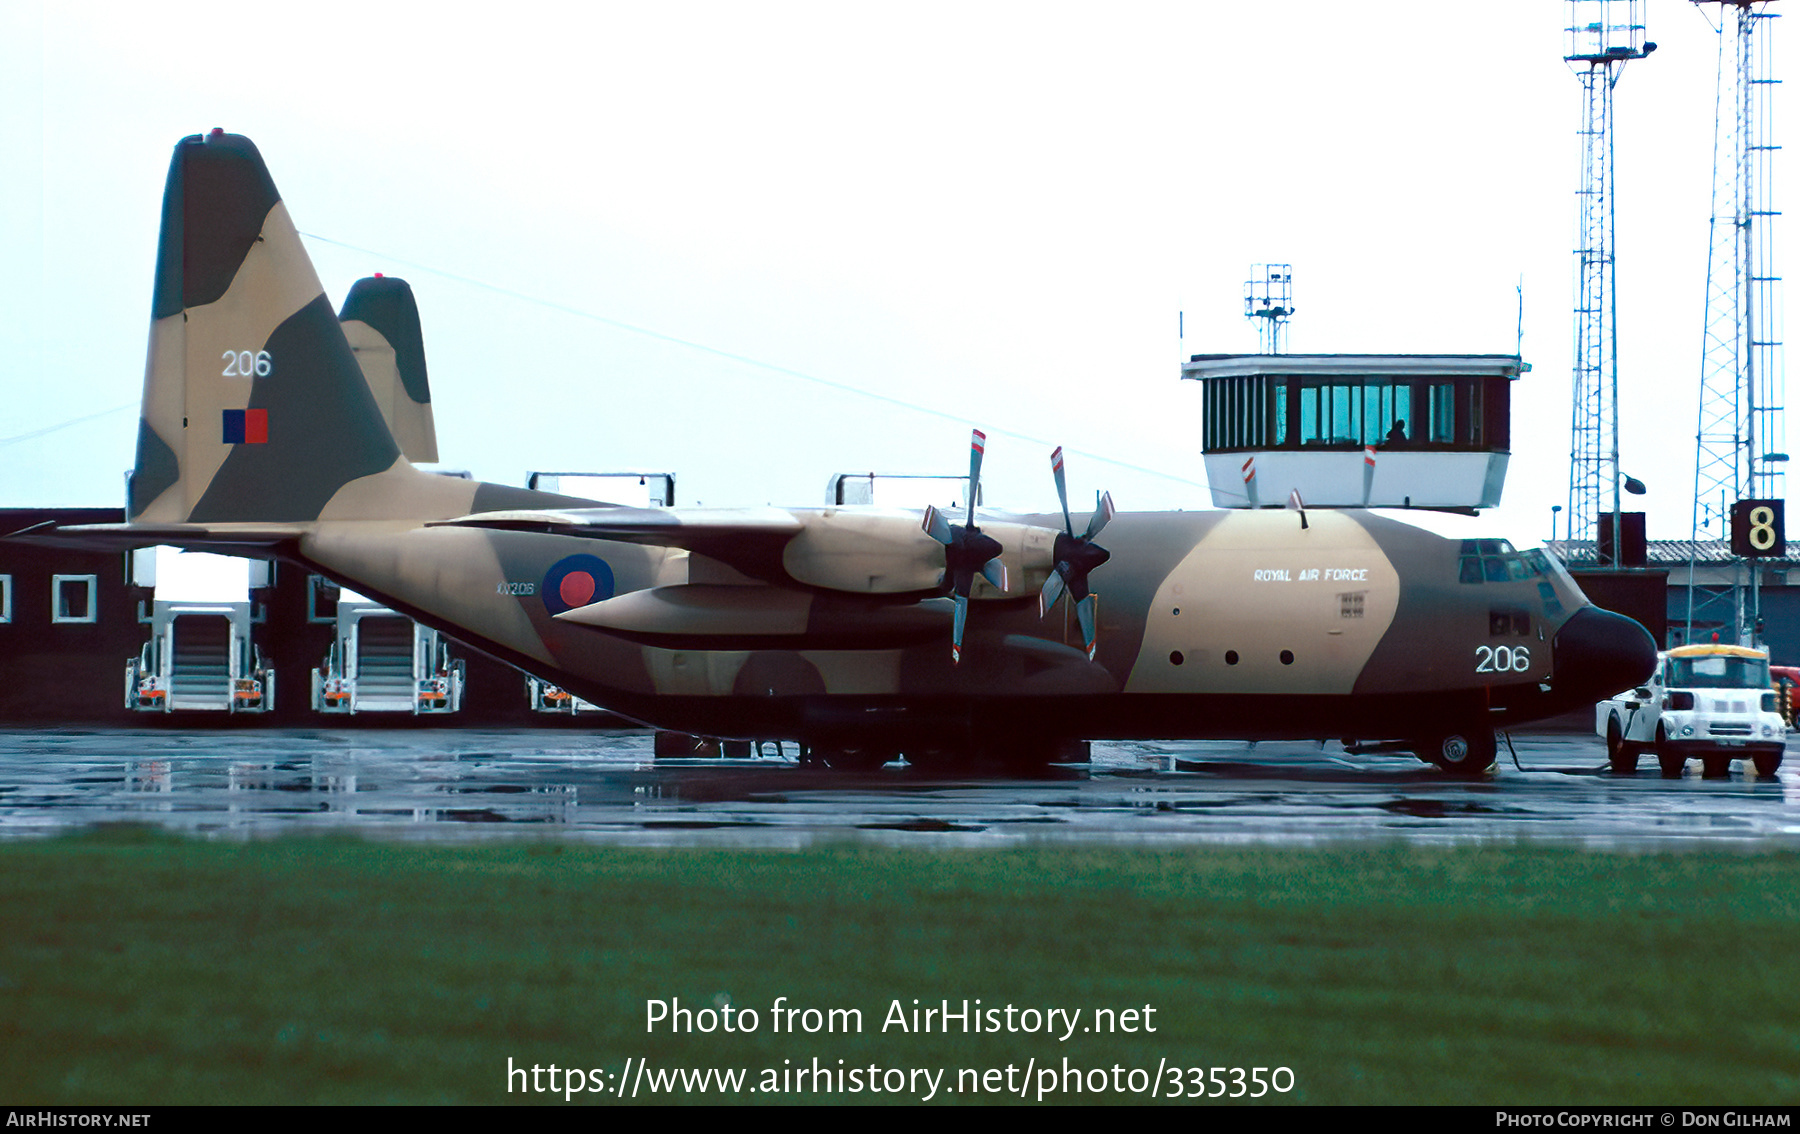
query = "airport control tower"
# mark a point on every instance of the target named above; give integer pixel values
(1356, 430)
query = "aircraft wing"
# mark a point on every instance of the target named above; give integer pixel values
(747, 538)
(226, 539)
(875, 551)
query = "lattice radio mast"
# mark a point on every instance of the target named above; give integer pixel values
(1741, 438)
(1269, 300)
(1602, 36)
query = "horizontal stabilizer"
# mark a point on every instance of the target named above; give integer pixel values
(226, 539)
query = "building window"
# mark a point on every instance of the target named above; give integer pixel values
(321, 599)
(72, 598)
(5, 598)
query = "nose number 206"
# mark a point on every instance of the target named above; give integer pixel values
(1502, 659)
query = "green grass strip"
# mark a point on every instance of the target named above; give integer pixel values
(137, 967)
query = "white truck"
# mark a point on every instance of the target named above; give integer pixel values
(1714, 703)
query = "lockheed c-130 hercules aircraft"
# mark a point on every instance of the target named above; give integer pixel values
(862, 633)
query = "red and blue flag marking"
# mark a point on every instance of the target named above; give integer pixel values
(246, 427)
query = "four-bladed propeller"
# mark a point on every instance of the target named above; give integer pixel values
(967, 552)
(1075, 557)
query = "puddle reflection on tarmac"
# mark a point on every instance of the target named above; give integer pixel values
(606, 786)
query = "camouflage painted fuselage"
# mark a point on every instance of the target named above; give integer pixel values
(261, 435)
(1212, 624)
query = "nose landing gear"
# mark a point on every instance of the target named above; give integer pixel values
(1468, 753)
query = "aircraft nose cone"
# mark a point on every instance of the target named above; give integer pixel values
(1599, 653)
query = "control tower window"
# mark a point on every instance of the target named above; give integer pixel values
(1355, 414)
(1387, 416)
(1241, 413)
(1351, 411)
(1442, 430)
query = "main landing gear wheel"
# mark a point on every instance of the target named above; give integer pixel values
(681, 745)
(1459, 753)
(936, 761)
(865, 759)
(1620, 753)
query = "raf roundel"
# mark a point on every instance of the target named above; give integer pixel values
(576, 580)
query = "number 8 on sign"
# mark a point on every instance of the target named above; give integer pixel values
(1758, 530)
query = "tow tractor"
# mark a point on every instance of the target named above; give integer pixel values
(1711, 702)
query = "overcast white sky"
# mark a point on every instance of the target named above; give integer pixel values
(991, 211)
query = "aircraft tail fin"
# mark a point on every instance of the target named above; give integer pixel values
(254, 409)
(381, 320)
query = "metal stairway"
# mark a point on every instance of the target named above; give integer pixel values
(200, 677)
(384, 664)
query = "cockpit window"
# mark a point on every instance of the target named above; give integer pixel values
(1496, 561)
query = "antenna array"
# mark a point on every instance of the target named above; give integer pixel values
(1601, 37)
(1740, 441)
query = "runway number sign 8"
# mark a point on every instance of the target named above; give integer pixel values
(1762, 528)
(1758, 529)
(1502, 659)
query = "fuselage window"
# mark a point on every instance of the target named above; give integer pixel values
(1510, 621)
